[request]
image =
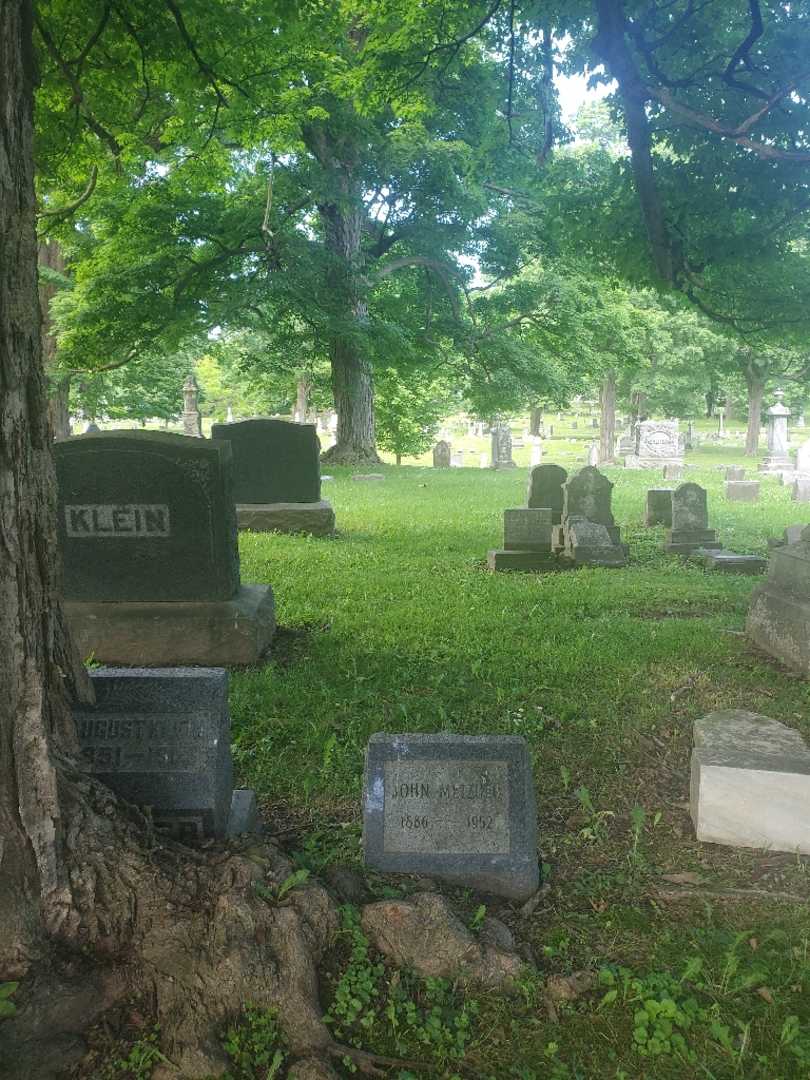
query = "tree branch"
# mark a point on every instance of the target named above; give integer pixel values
(71, 208)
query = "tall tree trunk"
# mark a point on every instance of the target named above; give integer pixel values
(302, 389)
(50, 254)
(756, 395)
(92, 908)
(607, 423)
(342, 215)
(535, 420)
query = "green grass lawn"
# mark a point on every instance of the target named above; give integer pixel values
(395, 625)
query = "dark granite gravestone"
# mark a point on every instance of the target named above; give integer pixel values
(456, 807)
(690, 521)
(586, 500)
(778, 619)
(145, 515)
(587, 494)
(502, 447)
(546, 489)
(587, 543)
(659, 507)
(161, 738)
(277, 476)
(526, 541)
(442, 455)
(147, 531)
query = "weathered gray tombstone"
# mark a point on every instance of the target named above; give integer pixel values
(192, 420)
(527, 541)
(659, 507)
(546, 489)
(147, 532)
(689, 443)
(588, 543)
(721, 423)
(442, 455)
(735, 472)
(593, 454)
(778, 456)
(673, 472)
(779, 614)
(460, 808)
(91, 428)
(690, 521)
(742, 490)
(277, 476)
(801, 488)
(750, 782)
(160, 738)
(595, 423)
(502, 447)
(803, 458)
(656, 444)
(729, 562)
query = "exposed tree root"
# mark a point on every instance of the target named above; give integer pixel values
(345, 454)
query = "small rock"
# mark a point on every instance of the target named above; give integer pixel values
(349, 884)
(311, 1069)
(424, 933)
(494, 932)
(569, 987)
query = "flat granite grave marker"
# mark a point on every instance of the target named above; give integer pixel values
(456, 807)
(277, 476)
(690, 521)
(161, 738)
(147, 531)
(750, 782)
(729, 562)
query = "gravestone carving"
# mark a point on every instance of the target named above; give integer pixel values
(460, 808)
(277, 476)
(147, 532)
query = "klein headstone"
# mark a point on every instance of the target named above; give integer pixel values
(586, 501)
(750, 783)
(459, 808)
(779, 614)
(192, 420)
(442, 455)
(546, 489)
(801, 488)
(588, 543)
(690, 521)
(527, 541)
(735, 472)
(673, 472)
(147, 532)
(742, 490)
(593, 454)
(161, 738)
(656, 444)
(659, 507)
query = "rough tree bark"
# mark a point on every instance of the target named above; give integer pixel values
(342, 216)
(535, 420)
(93, 905)
(50, 255)
(607, 424)
(302, 389)
(756, 395)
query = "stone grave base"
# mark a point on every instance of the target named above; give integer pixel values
(244, 814)
(316, 518)
(729, 562)
(750, 783)
(683, 543)
(779, 624)
(634, 461)
(211, 633)
(502, 559)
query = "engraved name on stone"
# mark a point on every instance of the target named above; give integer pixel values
(446, 807)
(118, 520)
(115, 743)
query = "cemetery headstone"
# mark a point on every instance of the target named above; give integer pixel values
(457, 459)
(91, 428)
(729, 562)
(721, 423)
(593, 454)
(742, 490)
(673, 472)
(527, 541)
(690, 521)
(803, 458)
(779, 614)
(277, 476)
(483, 461)
(502, 447)
(750, 782)
(778, 456)
(656, 444)
(147, 532)
(459, 808)
(659, 507)
(801, 488)
(192, 420)
(589, 544)
(442, 455)
(690, 436)
(595, 423)
(160, 738)
(536, 453)
(586, 500)
(735, 472)
(546, 489)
